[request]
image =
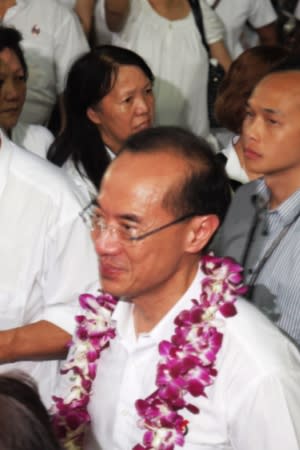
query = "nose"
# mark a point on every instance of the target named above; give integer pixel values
(11, 91)
(250, 130)
(144, 103)
(106, 241)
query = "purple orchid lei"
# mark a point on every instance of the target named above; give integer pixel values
(186, 366)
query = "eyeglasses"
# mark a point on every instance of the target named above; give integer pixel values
(123, 232)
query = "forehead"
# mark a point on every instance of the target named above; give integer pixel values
(128, 77)
(9, 60)
(140, 181)
(278, 91)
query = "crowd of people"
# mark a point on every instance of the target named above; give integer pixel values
(149, 261)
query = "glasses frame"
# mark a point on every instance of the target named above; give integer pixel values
(147, 233)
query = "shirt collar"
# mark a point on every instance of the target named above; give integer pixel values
(123, 314)
(111, 154)
(288, 210)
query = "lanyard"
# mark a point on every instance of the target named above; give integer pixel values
(274, 244)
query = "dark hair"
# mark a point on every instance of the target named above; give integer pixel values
(24, 421)
(11, 38)
(90, 79)
(289, 64)
(205, 186)
(236, 87)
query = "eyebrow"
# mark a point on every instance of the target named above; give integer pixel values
(126, 216)
(265, 110)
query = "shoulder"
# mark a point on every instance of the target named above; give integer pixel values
(34, 175)
(252, 336)
(243, 198)
(34, 138)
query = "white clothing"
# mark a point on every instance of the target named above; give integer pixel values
(233, 166)
(68, 3)
(102, 33)
(297, 11)
(235, 14)
(253, 403)
(85, 189)
(35, 138)
(47, 258)
(179, 61)
(52, 40)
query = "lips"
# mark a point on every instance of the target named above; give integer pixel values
(10, 111)
(109, 270)
(143, 125)
(251, 154)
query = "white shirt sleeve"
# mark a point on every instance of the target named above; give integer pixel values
(213, 26)
(262, 13)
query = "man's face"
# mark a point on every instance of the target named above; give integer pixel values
(131, 198)
(12, 89)
(127, 108)
(271, 131)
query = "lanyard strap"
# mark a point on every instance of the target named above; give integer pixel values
(274, 244)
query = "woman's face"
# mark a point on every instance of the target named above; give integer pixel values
(12, 89)
(126, 109)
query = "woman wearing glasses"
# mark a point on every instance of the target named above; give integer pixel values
(108, 97)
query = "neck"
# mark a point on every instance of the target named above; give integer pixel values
(150, 309)
(281, 187)
(171, 9)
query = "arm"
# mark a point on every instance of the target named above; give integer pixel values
(85, 10)
(214, 32)
(219, 51)
(116, 12)
(268, 34)
(37, 341)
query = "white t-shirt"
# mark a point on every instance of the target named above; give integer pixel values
(235, 14)
(252, 404)
(35, 138)
(46, 254)
(179, 61)
(52, 40)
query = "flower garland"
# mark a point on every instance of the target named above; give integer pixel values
(186, 366)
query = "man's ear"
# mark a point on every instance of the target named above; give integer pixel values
(93, 116)
(202, 228)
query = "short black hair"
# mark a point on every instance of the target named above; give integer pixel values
(289, 64)
(11, 38)
(205, 186)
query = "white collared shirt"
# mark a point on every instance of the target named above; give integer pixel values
(84, 190)
(233, 166)
(52, 40)
(253, 403)
(46, 254)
